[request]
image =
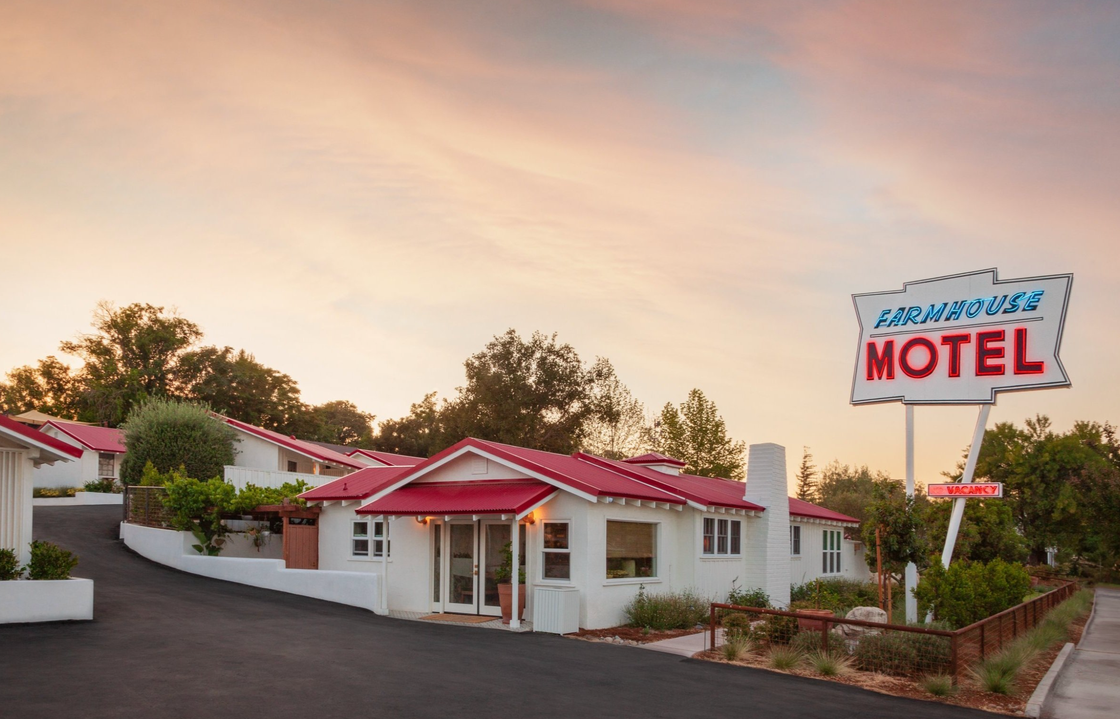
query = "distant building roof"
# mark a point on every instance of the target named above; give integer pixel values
(655, 458)
(357, 485)
(393, 460)
(51, 449)
(308, 449)
(35, 417)
(98, 439)
(801, 508)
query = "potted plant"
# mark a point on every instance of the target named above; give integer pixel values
(814, 625)
(503, 573)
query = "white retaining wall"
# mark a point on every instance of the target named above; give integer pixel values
(173, 549)
(80, 499)
(40, 600)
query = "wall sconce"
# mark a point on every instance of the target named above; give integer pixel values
(421, 520)
(530, 519)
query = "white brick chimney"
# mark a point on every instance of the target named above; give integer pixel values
(767, 546)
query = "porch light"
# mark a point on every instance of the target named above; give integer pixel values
(421, 520)
(530, 519)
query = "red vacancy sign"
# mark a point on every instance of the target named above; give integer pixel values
(978, 490)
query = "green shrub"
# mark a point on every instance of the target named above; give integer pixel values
(903, 653)
(673, 610)
(784, 658)
(251, 496)
(967, 592)
(9, 565)
(102, 486)
(999, 673)
(198, 507)
(737, 625)
(172, 434)
(748, 597)
(49, 561)
(830, 663)
(810, 640)
(939, 685)
(838, 595)
(778, 629)
(53, 492)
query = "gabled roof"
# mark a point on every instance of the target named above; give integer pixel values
(98, 439)
(801, 508)
(307, 449)
(655, 458)
(358, 485)
(51, 449)
(387, 458)
(706, 491)
(35, 417)
(515, 497)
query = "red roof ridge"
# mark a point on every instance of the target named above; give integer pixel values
(298, 445)
(37, 437)
(110, 440)
(666, 485)
(801, 508)
(655, 458)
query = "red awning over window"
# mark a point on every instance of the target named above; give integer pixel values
(484, 497)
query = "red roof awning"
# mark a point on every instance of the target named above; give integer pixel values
(482, 497)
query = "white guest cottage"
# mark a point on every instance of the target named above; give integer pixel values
(590, 531)
(102, 451)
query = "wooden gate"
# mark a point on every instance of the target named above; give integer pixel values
(301, 537)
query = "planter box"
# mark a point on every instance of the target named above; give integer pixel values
(806, 624)
(24, 600)
(80, 499)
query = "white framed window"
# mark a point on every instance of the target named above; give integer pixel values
(794, 540)
(631, 550)
(359, 538)
(722, 537)
(556, 551)
(367, 538)
(832, 539)
(106, 462)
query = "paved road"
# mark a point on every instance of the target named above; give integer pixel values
(1087, 687)
(168, 644)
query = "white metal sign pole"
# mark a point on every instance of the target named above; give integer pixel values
(969, 471)
(911, 568)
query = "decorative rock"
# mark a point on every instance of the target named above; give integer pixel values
(863, 614)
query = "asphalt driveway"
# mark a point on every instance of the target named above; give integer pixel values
(168, 644)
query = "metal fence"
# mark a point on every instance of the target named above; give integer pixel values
(144, 505)
(886, 648)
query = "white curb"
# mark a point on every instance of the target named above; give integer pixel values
(1034, 706)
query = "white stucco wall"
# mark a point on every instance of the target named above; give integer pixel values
(173, 549)
(26, 601)
(809, 566)
(254, 452)
(15, 500)
(76, 473)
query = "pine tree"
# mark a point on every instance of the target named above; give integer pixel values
(807, 478)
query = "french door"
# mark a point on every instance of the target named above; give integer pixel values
(467, 554)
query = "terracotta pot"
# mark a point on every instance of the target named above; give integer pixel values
(505, 599)
(812, 625)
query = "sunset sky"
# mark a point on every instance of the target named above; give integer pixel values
(363, 194)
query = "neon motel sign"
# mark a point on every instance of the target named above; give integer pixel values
(973, 490)
(960, 339)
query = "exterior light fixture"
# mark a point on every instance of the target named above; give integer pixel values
(421, 520)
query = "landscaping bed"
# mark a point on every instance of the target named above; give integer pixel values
(632, 635)
(967, 694)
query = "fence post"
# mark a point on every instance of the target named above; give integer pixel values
(824, 638)
(953, 655)
(1000, 631)
(983, 648)
(712, 627)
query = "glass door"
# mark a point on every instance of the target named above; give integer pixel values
(462, 574)
(495, 537)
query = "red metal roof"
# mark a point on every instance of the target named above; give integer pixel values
(655, 458)
(479, 497)
(801, 508)
(708, 491)
(33, 437)
(99, 439)
(358, 485)
(309, 449)
(393, 460)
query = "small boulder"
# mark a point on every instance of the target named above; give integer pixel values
(863, 614)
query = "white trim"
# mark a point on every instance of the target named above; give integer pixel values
(657, 553)
(550, 581)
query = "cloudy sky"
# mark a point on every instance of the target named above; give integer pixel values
(363, 194)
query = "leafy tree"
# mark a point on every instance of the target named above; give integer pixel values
(848, 490)
(619, 429)
(535, 393)
(695, 433)
(807, 478)
(987, 531)
(48, 387)
(133, 354)
(901, 522)
(419, 434)
(967, 592)
(236, 385)
(340, 422)
(172, 435)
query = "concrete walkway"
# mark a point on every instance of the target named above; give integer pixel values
(1089, 684)
(684, 646)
